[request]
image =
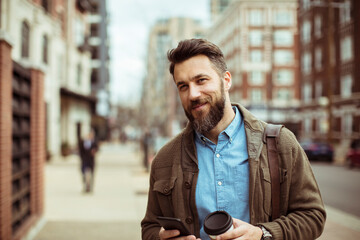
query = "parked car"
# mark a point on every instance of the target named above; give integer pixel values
(319, 151)
(353, 155)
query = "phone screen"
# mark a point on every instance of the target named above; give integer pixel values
(170, 223)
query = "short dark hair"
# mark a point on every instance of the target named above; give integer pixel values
(193, 47)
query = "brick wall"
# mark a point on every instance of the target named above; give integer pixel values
(37, 141)
(37, 146)
(5, 138)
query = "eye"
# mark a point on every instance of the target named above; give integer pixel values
(182, 87)
(202, 80)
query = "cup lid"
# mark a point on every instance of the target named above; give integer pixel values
(217, 223)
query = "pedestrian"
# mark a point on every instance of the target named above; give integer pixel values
(146, 147)
(88, 148)
(219, 162)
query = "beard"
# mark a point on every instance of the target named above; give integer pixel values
(204, 124)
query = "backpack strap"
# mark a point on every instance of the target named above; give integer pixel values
(272, 132)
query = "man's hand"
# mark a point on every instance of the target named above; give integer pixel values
(243, 231)
(166, 234)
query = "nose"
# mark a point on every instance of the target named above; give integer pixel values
(194, 92)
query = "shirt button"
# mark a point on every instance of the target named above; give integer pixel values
(219, 183)
(217, 155)
(189, 220)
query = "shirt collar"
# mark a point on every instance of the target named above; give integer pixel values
(230, 131)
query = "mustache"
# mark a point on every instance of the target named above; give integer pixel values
(197, 102)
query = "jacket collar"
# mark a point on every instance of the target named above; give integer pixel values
(254, 131)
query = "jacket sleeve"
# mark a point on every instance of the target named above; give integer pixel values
(304, 217)
(149, 225)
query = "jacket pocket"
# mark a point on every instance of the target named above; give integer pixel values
(164, 189)
(266, 185)
(164, 186)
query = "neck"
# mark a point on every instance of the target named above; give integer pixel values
(229, 115)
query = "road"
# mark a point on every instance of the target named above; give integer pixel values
(339, 186)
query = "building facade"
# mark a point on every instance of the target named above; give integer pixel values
(260, 40)
(330, 80)
(77, 103)
(54, 38)
(162, 109)
(46, 100)
(100, 79)
(217, 7)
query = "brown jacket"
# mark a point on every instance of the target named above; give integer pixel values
(174, 173)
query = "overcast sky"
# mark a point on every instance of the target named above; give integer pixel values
(130, 22)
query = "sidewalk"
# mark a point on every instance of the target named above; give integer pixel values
(115, 208)
(117, 205)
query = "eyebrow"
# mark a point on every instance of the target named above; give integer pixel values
(200, 75)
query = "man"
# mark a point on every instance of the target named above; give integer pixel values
(87, 148)
(219, 162)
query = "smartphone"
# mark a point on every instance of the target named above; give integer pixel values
(170, 223)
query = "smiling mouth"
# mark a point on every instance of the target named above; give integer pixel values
(198, 107)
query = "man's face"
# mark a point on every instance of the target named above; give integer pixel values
(201, 91)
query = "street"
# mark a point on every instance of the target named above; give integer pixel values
(340, 193)
(339, 186)
(117, 205)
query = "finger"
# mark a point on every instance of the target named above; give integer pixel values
(166, 234)
(232, 234)
(238, 222)
(190, 237)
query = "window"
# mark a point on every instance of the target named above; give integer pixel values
(46, 5)
(284, 77)
(318, 58)
(256, 56)
(79, 32)
(283, 38)
(236, 96)
(346, 49)
(255, 38)
(256, 78)
(45, 49)
(305, 4)
(283, 18)
(60, 61)
(347, 123)
(306, 93)
(25, 40)
(78, 74)
(318, 89)
(256, 96)
(94, 30)
(223, 5)
(283, 95)
(345, 12)
(283, 57)
(256, 17)
(323, 125)
(346, 86)
(306, 63)
(306, 32)
(318, 26)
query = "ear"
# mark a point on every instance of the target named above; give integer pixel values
(227, 81)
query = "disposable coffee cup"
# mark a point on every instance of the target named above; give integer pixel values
(217, 223)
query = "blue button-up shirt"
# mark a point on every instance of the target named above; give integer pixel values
(223, 182)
